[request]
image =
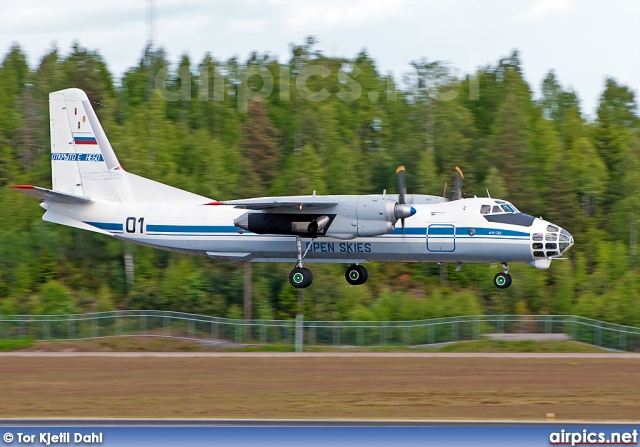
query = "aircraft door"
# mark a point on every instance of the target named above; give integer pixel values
(441, 238)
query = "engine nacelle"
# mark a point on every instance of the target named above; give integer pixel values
(354, 216)
(276, 223)
(376, 216)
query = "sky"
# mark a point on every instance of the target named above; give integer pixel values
(582, 41)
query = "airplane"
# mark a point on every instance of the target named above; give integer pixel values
(91, 191)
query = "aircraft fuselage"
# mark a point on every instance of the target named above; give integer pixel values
(439, 232)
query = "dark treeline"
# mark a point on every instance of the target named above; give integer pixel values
(336, 126)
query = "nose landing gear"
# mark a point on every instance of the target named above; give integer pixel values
(503, 280)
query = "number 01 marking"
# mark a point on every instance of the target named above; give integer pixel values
(130, 224)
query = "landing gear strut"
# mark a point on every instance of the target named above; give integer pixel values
(503, 280)
(300, 277)
(356, 274)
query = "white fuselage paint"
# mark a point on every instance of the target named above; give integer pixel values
(441, 232)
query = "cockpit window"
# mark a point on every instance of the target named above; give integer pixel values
(496, 209)
(485, 209)
(508, 209)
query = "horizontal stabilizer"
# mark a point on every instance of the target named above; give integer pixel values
(56, 218)
(292, 202)
(47, 195)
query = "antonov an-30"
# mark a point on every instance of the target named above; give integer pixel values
(92, 191)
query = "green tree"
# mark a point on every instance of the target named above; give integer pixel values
(54, 298)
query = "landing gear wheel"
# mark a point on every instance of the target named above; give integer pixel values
(300, 277)
(502, 280)
(356, 275)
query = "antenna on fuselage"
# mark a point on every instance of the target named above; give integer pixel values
(488, 195)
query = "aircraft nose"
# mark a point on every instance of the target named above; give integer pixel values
(565, 241)
(550, 241)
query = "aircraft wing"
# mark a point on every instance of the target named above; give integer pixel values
(293, 203)
(47, 195)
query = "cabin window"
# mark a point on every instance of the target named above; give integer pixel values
(537, 246)
(550, 246)
(538, 254)
(485, 209)
(552, 253)
(537, 236)
(551, 237)
(496, 209)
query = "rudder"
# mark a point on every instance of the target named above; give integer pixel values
(81, 155)
(84, 164)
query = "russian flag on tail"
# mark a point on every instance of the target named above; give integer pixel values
(84, 139)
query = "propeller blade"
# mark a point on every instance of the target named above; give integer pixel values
(457, 189)
(402, 186)
(402, 210)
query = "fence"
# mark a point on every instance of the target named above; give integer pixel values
(312, 333)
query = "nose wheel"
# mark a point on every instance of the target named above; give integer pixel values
(503, 280)
(356, 274)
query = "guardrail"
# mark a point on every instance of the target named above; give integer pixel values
(312, 333)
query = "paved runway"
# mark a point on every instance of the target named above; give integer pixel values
(524, 355)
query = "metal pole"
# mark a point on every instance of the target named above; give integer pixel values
(247, 298)
(300, 322)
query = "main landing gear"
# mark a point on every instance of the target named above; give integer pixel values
(503, 280)
(301, 277)
(356, 274)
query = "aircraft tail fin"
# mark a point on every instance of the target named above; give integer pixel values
(84, 164)
(81, 154)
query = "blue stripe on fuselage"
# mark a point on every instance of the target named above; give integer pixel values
(191, 229)
(212, 229)
(464, 231)
(421, 231)
(106, 226)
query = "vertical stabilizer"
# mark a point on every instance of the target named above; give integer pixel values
(84, 164)
(82, 160)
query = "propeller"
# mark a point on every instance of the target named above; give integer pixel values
(457, 188)
(402, 185)
(402, 210)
